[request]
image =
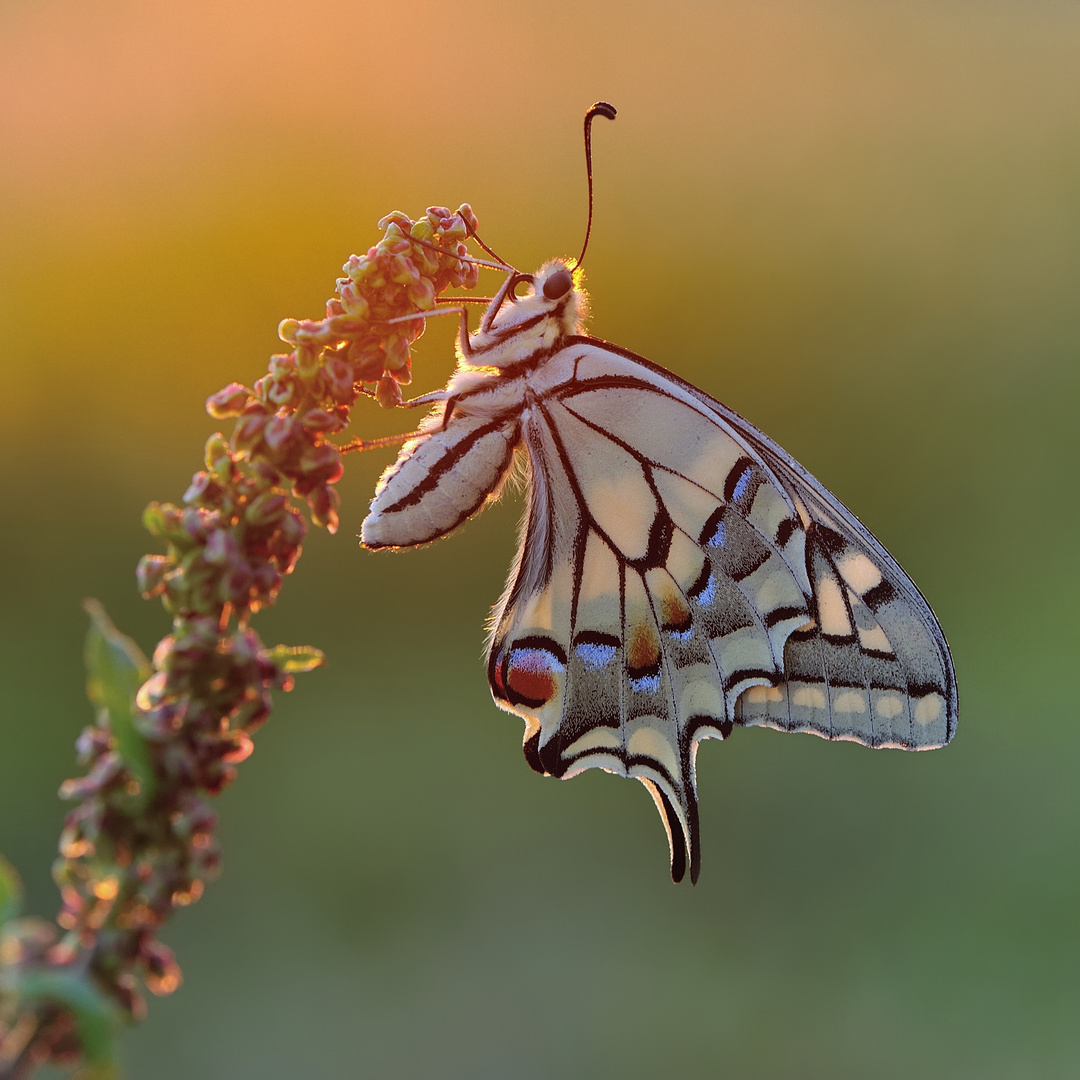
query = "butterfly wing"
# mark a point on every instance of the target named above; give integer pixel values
(679, 574)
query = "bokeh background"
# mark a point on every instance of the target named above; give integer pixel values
(859, 225)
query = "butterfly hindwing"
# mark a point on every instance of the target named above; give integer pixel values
(678, 600)
(679, 574)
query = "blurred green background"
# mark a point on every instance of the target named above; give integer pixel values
(859, 225)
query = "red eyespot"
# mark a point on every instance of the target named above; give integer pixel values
(558, 285)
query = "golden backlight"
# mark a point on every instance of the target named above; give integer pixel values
(858, 225)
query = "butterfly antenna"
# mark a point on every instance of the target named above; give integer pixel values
(498, 258)
(601, 108)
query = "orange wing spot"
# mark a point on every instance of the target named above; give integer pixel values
(643, 651)
(674, 612)
(537, 686)
(531, 676)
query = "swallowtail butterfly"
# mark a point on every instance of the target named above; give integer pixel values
(678, 574)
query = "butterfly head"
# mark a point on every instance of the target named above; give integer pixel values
(531, 314)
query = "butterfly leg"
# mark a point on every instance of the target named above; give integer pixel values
(360, 445)
(463, 333)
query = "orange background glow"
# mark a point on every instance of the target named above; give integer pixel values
(857, 224)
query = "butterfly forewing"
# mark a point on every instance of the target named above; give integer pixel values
(678, 574)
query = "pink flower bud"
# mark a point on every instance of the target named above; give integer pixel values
(427, 262)
(91, 742)
(397, 352)
(339, 380)
(265, 473)
(229, 401)
(307, 362)
(279, 431)
(249, 430)
(394, 222)
(220, 548)
(312, 332)
(287, 330)
(235, 584)
(162, 519)
(346, 325)
(202, 489)
(292, 529)
(280, 391)
(323, 503)
(161, 971)
(196, 521)
(242, 748)
(422, 294)
(323, 461)
(150, 574)
(216, 454)
(465, 212)
(321, 420)
(401, 270)
(265, 509)
(352, 303)
(453, 228)
(151, 691)
(368, 359)
(388, 393)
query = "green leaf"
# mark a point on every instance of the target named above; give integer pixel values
(294, 659)
(10, 891)
(95, 1015)
(115, 669)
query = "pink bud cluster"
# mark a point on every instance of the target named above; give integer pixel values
(141, 841)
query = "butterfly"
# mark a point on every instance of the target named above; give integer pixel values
(678, 573)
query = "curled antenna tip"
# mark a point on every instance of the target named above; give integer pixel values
(609, 112)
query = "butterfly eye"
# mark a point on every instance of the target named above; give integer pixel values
(517, 291)
(558, 285)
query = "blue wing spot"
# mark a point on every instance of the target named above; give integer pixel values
(719, 537)
(682, 635)
(742, 484)
(594, 655)
(645, 683)
(707, 594)
(738, 480)
(535, 661)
